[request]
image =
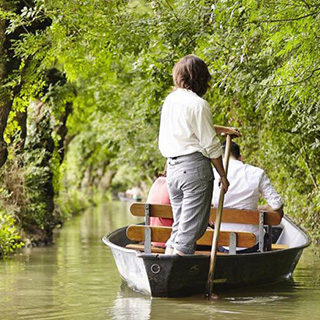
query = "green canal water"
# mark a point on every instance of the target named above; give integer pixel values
(76, 278)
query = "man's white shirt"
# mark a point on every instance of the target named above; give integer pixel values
(247, 183)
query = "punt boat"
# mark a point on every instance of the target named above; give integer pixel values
(160, 275)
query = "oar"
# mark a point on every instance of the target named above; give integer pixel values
(217, 224)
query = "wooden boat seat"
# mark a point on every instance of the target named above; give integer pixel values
(229, 215)
(162, 234)
(232, 239)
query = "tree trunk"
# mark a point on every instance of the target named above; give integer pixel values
(62, 131)
(21, 118)
(10, 63)
(5, 99)
(38, 218)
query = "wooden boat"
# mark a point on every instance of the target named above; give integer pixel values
(161, 275)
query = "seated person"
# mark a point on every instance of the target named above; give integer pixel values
(247, 183)
(158, 194)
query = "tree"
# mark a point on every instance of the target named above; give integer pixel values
(116, 58)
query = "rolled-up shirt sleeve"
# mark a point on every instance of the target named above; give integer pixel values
(269, 193)
(205, 132)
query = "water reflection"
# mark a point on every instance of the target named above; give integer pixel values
(76, 278)
(130, 305)
(287, 300)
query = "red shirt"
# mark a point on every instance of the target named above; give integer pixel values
(158, 194)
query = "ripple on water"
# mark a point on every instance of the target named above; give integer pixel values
(261, 300)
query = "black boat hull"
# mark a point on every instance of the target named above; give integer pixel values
(175, 276)
(178, 276)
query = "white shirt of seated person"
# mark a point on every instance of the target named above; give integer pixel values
(247, 183)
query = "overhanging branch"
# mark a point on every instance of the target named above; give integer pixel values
(297, 82)
(285, 20)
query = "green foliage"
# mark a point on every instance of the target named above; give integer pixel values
(9, 234)
(118, 56)
(71, 203)
(269, 88)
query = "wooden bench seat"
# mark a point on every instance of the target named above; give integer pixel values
(147, 234)
(229, 215)
(162, 234)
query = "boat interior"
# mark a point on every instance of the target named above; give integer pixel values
(150, 239)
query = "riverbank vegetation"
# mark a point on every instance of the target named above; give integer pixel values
(82, 83)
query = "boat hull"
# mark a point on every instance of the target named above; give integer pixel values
(178, 276)
(175, 276)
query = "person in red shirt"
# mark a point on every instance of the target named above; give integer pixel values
(158, 194)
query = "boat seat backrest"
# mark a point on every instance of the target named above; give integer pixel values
(260, 218)
(229, 215)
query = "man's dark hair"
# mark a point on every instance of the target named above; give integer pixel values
(234, 149)
(192, 73)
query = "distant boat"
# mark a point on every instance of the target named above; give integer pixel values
(123, 196)
(162, 275)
